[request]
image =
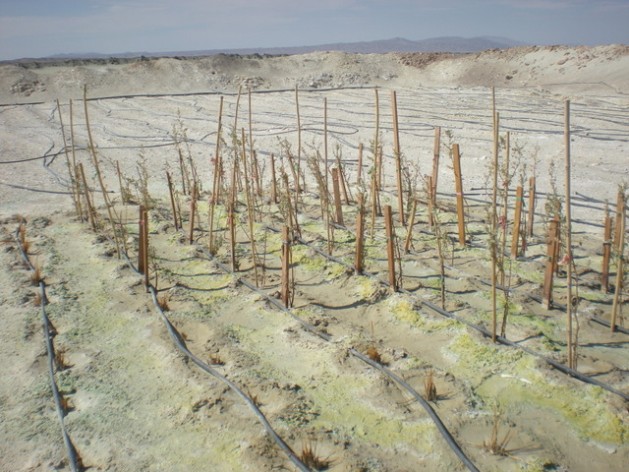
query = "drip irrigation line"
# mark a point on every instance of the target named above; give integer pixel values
(557, 365)
(181, 345)
(74, 460)
(443, 430)
(37, 190)
(562, 307)
(179, 341)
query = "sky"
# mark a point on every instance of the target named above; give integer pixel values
(39, 28)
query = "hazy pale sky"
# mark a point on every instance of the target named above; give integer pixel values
(37, 28)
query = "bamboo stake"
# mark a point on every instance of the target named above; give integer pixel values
(494, 221)
(172, 200)
(273, 180)
(504, 222)
(76, 176)
(92, 148)
(620, 266)
(216, 180)
(569, 337)
(145, 252)
(620, 205)
(298, 187)
(250, 211)
(359, 172)
(88, 200)
(141, 224)
(460, 206)
(388, 222)
(516, 222)
(531, 214)
(607, 246)
(431, 202)
(551, 255)
(398, 158)
(436, 151)
(286, 262)
(376, 143)
(325, 145)
(65, 150)
(193, 207)
(231, 217)
(119, 174)
(409, 229)
(337, 196)
(360, 236)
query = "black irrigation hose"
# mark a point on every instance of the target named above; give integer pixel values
(75, 462)
(557, 365)
(181, 345)
(310, 328)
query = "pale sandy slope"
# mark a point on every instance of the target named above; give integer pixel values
(573, 70)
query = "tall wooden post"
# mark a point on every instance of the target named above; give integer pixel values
(360, 236)
(217, 176)
(620, 207)
(460, 206)
(388, 222)
(494, 220)
(398, 158)
(515, 235)
(569, 341)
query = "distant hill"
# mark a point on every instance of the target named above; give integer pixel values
(442, 44)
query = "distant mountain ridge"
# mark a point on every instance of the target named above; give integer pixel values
(452, 44)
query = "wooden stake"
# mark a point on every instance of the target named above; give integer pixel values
(409, 229)
(91, 214)
(141, 235)
(273, 180)
(298, 187)
(360, 236)
(398, 159)
(193, 207)
(551, 256)
(231, 216)
(494, 220)
(217, 176)
(250, 210)
(515, 235)
(460, 205)
(620, 205)
(69, 166)
(359, 171)
(145, 252)
(569, 339)
(431, 202)
(607, 249)
(337, 196)
(285, 290)
(172, 200)
(325, 146)
(531, 215)
(388, 222)
(436, 151)
(620, 266)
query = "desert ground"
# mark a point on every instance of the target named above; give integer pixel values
(132, 401)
